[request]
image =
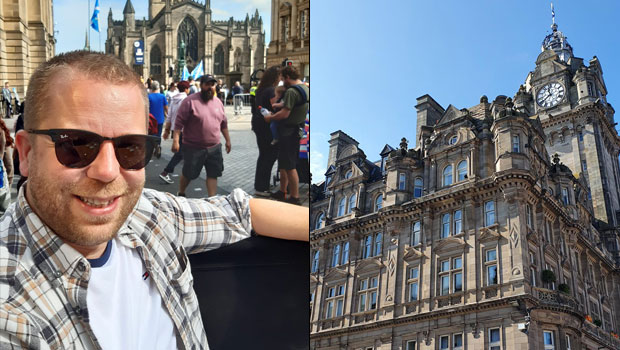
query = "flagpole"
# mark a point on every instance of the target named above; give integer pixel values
(88, 25)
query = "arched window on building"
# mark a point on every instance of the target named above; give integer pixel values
(352, 200)
(417, 187)
(319, 221)
(461, 170)
(218, 60)
(349, 174)
(379, 202)
(447, 175)
(188, 33)
(341, 206)
(155, 60)
(238, 60)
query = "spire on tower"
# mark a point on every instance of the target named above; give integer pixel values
(556, 41)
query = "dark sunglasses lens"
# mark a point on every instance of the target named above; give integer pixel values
(133, 151)
(78, 149)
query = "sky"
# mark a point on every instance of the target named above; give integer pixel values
(72, 18)
(368, 72)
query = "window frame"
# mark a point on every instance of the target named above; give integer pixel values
(565, 196)
(367, 293)
(413, 281)
(409, 346)
(335, 261)
(439, 343)
(489, 264)
(447, 174)
(334, 301)
(318, 224)
(516, 143)
(412, 241)
(529, 221)
(348, 174)
(548, 346)
(352, 203)
(371, 250)
(402, 181)
(457, 228)
(460, 168)
(378, 203)
(418, 186)
(446, 225)
(454, 347)
(488, 211)
(451, 274)
(314, 267)
(342, 206)
(496, 345)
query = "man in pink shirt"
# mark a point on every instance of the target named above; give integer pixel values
(202, 118)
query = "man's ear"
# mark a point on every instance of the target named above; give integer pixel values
(22, 142)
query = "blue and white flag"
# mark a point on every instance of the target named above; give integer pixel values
(552, 13)
(185, 73)
(94, 20)
(198, 71)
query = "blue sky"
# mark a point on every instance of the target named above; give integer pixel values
(72, 18)
(376, 58)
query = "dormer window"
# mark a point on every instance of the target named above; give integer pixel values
(383, 160)
(417, 187)
(348, 174)
(328, 180)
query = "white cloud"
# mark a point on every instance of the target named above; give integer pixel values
(317, 166)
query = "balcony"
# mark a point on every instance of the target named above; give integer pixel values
(554, 298)
(603, 336)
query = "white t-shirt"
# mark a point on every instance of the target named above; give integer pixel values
(125, 309)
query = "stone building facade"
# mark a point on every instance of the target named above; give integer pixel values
(26, 39)
(290, 35)
(231, 50)
(498, 230)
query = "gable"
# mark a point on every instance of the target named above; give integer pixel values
(449, 115)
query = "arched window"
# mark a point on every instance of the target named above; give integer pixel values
(461, 170)
(218, 60)
(341, 206)
(417, 188)
(238, 60)
(319, 221)
(188, 33)
(379, 202)
(155, 60)
(352, 200)
(447, 175)
(348, 174)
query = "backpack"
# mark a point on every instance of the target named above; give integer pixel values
(302, 92)
(152, 125)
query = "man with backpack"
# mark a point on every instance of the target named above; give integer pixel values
(293, 117)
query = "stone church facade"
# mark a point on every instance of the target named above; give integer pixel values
(26, 39)
(498, 230)
(231, 50)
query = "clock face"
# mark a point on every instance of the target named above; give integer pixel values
(550, 95)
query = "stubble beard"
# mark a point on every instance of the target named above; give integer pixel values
(49, 203)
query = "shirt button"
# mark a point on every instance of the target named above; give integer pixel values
(81, 266)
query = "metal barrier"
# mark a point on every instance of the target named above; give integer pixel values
(241, 104)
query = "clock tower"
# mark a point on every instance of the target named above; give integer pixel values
(569, 97)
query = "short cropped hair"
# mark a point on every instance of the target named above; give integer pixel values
(289, 72)
(92, 65)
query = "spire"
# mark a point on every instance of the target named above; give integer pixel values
(110, 13)
(86, 44)
(128, 8)
(556, 41)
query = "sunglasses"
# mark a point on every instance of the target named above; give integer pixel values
(78, 148)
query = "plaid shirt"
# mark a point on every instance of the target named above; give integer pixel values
(43, 282)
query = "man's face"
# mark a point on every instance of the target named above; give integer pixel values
(207, 90)
(285, 80)
(85, 206)
(6, 85)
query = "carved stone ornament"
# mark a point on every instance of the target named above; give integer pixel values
(427, 337)
(474, 330)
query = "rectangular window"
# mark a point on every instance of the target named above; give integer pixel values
(533, 276)
(548, 340)
(368, 294)
(451, 276)
(515, 143)
(457, 341)
(444, 342)
(491, 267)
(458, 222)
(413, 282)
(415, 233)
(402, 181)
(378, 240)
(345, 253)
(565, 195)
(548, 233)
(336, 255)
(334, 301)
(584, 165)
(568, 342)
(528, 214)
(489, 213)
(581, 136)
(411, 345)
(494, 340)
(445, 225)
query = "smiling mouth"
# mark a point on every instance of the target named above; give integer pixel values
(96, 202)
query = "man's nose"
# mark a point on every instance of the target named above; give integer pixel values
(105, 167)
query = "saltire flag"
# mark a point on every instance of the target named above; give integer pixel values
(552, 13)
(185, 73)
(94, 20)
(198, 71)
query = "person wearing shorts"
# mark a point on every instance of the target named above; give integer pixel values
(202, 119)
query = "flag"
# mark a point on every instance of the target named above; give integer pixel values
(185, 73)
(552, 13)
(94, 20)
(198, 71)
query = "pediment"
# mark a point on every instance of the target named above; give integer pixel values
(450, 114)
(335, 273)
(489, 234)
(412, 253)
(546, 55)
(331, 170)
(386, 150)
(356, 170)
(450, 244)
(368, 265)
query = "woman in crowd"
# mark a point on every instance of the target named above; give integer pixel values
(267, 153)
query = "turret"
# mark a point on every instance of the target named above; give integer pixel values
(129, 20)
(429, 113)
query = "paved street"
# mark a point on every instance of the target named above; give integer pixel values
(239, 165)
